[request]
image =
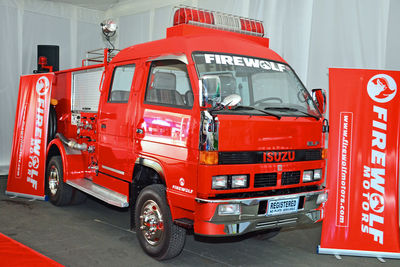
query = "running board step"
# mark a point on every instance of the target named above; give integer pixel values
(102, 193)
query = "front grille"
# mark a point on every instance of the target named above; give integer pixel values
(265, 179)
(290, 178)
(236, 157)
(269, 156)
(313, 154)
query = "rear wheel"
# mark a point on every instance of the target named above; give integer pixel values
(59, 193)
(157, 234)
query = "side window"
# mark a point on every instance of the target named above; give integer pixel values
(169, 84)
(121, 84)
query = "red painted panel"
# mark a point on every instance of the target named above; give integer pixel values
(28, 158)
(257, 133)
(362, 212)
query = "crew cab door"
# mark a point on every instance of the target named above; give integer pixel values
(116, 117)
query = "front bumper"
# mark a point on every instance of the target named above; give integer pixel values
(253, 216)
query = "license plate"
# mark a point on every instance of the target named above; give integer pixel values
(282, 206)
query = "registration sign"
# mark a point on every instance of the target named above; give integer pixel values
(282, 206)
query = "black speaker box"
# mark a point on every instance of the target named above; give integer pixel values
(52, 53)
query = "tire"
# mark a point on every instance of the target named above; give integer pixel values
(59, 193)
(268, 234)
(167, 239)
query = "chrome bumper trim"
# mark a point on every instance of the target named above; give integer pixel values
(113, 170)
(251, 219)
(257, 199)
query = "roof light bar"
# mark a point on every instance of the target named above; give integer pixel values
(217, 20)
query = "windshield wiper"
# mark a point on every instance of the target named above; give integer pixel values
(292, 109)
(260, 110)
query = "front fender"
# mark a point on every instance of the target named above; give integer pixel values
(72, 160)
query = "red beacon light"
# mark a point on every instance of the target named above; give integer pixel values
(218, 20)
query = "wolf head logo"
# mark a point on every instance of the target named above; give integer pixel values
(377, 202)
(42, 85)
(381, 88)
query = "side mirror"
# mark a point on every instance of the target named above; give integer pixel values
(319, 97)
(209, 90)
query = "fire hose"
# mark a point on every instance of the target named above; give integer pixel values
(71, 143)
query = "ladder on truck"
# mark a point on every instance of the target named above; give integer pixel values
(100, 55)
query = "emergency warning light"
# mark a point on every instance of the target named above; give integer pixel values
(218, 20)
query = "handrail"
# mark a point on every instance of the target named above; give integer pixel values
(100, 55)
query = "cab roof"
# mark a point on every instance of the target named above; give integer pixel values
(190, 38)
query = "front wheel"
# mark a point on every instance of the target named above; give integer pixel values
(157, 234)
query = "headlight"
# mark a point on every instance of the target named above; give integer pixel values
(317, 174)
(239, 181)
(307, 176)
(229, 209)
(220, 182)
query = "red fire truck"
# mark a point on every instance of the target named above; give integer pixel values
(207, 129)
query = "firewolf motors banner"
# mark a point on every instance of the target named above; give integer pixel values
(362, 211)
(28, 154)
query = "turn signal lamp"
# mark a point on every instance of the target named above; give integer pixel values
(54, 102)
(324, 154)
(209, 157)
(218, 20)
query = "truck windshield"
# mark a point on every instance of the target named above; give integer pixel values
(263, 85)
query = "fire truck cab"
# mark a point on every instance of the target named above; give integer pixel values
(207, 129)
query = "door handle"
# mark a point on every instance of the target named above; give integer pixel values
(103, 126)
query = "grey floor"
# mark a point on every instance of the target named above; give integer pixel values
(95, 234)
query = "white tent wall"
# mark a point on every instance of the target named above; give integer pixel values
(9, 72)
(351, 34)
(312, 36)
(26, 24)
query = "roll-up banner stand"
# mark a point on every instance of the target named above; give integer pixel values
(362, 211)
(28, 154)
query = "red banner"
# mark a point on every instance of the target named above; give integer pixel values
(26, 176)
(362, 211)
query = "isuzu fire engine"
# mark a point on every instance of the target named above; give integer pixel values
(207, 129)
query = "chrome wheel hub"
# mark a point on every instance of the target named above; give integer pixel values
(151, 222)
(54, 180)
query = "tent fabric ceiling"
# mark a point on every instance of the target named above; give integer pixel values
(102, 5)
